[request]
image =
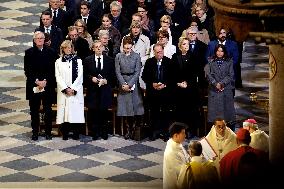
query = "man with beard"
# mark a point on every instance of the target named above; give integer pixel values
(232, 49)
(81, 46)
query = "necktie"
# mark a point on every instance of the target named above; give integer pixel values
(47, 30)
(54, 14)
(99, 66)
(159, 71)
(85, 20)
(192, 46)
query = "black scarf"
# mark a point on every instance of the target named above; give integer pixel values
(72, 58)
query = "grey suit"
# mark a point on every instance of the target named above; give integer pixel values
(127, 71)
(221, 104)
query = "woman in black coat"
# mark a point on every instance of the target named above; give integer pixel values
(186, 92)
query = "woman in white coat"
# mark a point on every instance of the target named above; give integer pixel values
(70, 98)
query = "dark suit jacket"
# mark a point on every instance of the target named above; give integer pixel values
(93, 23)
(56, 36)
(199, 58)
(39, 65)
(150, 74)
(97, 9)
(122, 25)
(185, 70)
(62, 20)
(81, 46)
(99, 97)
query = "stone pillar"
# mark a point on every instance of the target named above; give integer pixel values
(276, 105)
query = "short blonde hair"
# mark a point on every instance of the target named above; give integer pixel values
(65, 44)
(165, 18)
(180, 41)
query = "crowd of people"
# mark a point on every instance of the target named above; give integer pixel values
(162, 57)
(165, 63)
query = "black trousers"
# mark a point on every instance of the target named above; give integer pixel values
(160, 118)
(34, 102)
(98, 119)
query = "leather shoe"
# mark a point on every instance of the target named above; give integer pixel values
(105, 136)
(34, 137)
(75, 137)
(96, 137)
(48, 137)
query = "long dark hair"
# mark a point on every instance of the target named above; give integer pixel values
(225, 57)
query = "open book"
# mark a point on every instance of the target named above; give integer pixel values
(207, 150)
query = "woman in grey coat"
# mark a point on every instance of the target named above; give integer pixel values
(221, 86)
(129, 99)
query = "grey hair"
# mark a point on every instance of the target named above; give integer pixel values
(165, 1)
(115, 4)
(38, 33)
(103, 32)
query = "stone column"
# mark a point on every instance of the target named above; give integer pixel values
(276, 105)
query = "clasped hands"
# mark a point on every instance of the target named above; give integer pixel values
(220, 87)
(159, 86)
(98, 81)
(126, 88)
(182, 84)
(41, 84)
(70, 92)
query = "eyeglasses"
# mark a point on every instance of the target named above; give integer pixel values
(162, 37)
(191, 33)
(115, 10)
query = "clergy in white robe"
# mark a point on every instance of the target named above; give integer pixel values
(259, 139)
(222, 139)
(174, 156)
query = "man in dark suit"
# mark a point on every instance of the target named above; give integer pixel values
(54, 33)
(158, 76)
(99, 76)
(91, 22)
(232, 49)
(39, 70)
(98, 8)
(197, 51)
(60, 16)
(81, 46)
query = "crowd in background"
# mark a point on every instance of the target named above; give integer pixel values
(163, 57)
(165, 63)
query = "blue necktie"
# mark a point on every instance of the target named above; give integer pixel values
(159, 71)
